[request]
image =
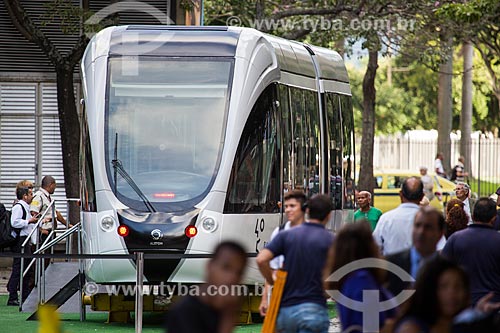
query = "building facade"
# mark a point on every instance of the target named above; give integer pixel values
(30, 143)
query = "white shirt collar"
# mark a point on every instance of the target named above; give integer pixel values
(24, 204)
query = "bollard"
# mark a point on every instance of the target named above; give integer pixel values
(138, 291)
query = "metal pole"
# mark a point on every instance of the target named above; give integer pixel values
(479, 166)
(409, 150)
(22, 278)
(202, 16)
(138, 291)
(38, 268)
(42, 282)
(80, 273)
(38, 281)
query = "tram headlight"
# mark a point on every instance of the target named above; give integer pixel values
(209, 224)
(107, 223)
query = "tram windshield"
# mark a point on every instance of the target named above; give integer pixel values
(165, 124)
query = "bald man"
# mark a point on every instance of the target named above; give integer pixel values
(394, 228)
(366, 211)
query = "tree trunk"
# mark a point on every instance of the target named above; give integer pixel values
(445, 109)
(339, 46)
(68, 116)
(260, 7)
(70, 137)
(466, 115)
(369, 95)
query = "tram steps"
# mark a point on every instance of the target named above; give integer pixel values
(58, 275)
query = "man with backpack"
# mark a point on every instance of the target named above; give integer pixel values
(6, 238)
(23, 224)
(458, 173)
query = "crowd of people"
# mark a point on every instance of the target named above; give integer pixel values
(453, 265)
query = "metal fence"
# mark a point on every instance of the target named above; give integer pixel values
(409, 153)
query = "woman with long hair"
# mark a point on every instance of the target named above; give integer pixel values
(441, 292)
(456, 217)
(355, 242)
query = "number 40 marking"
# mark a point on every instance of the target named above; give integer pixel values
(259, 228)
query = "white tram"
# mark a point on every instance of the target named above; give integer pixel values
(200, 131)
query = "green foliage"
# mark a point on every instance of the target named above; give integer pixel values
(471, 13)
(64, 14)
(411, 101)
(479, 22)
(483, 117)
(217, 12)
(402, 106)
(187, 5)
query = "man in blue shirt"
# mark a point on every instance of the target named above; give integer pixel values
(295, 211)
(477, 249)
(308, 252)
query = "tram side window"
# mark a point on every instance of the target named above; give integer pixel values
(299, 139)
(254, 184)
(313, 141)
(348, 150)
(286, 130)
(87, 182)
(305, 140)
(335, 148)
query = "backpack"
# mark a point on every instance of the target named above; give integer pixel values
(6, 238)
(454, 173)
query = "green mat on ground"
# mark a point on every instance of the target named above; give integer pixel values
(13, 321)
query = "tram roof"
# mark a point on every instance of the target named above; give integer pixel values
(215, 41)
(174, 41)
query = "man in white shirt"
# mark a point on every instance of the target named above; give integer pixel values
(428, 183)
(394, 228)
(462, 190)
(295, 212)
(438, 165)
(22, 220)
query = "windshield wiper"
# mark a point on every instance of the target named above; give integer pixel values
(118, 167)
